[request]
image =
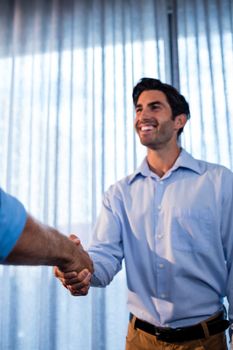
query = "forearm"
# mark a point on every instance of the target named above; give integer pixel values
(41, 245)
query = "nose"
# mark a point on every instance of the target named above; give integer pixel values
(145, 114)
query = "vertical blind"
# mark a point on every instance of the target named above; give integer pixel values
(205, 46)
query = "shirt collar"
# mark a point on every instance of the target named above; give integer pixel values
(185, 160)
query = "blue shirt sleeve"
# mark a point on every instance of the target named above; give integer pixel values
(13, 217)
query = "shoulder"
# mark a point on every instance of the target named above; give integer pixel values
(7, 200)
(215, 169)
(120, 187)
(219, 175)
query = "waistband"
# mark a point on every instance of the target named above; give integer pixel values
(213, 325)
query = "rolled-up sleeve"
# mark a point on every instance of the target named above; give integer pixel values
(106, 247)
(13, 217)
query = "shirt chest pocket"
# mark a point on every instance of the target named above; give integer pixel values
(192, 230)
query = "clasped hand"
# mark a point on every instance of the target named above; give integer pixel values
(77, 280)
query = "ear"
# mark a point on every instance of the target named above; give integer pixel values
(180, 121)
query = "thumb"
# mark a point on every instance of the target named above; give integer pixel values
(56, 271)
(74, 238)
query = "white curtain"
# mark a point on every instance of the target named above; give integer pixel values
(205, 50)
(67, 69)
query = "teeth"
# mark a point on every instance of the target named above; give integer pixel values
(146, 128)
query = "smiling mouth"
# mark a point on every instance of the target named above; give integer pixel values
(147, 128)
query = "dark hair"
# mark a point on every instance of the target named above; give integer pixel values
(176, 101)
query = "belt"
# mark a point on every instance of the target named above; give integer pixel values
(200, 330)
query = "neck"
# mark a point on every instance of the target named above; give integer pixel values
(160, 161)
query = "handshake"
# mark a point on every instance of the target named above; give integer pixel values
(77, 276)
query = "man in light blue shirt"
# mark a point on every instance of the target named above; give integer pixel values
(172, 222)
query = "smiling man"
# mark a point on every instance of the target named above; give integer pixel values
(171, 220)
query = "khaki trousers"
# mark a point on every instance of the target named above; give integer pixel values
(139, 340)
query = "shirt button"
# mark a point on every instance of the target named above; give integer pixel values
(160, 236)
(161, 182)
(161, 266)
(163, 295)
(159, 207)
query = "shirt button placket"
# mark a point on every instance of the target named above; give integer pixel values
(159, 244)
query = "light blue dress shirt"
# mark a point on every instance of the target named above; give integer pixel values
(12, 221)
(176, 236)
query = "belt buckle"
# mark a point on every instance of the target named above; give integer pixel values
(162, 334)
(167, 335)
(158, 332)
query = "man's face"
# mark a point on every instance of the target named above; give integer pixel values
(153, 121)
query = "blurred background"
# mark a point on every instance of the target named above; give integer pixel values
(67, 70)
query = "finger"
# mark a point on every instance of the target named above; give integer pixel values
(74, 238)
(81, 292)
(73, 274)
(83, 274)
(55, 272)
(64, 285)
(58, 273)
(85, 290)
(73, 278)
(78, 286)
(70, 275)
(71, 281)
(76, 294)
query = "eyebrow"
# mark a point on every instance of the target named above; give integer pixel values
(150, 104)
